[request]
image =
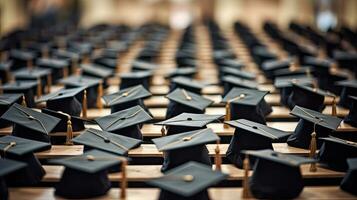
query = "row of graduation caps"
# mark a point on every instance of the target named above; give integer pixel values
(185, 95)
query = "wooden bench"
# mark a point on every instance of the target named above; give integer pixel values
(309, 192)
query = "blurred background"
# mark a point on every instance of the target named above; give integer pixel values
(321, 14)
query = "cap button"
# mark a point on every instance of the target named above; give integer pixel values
(189, 119)
(254, 127)
(188, 178)
(106, 140)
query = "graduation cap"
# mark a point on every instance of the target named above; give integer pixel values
(5, 73)
(30, 124)
(125, 122)
(58, 67)
(6, 101)
(106, 141)
(249, 135)
(187, 84)
(188, 72)
(262, 54)
(110, 63)
(349, 88)
(140, 65)
(127, 98)
(86, 176)
(349, 182)
(351, 118)
(232, 81)
(276, 175)
(307, 97)
(285, 85)
(291, 71)
(223, 54)
(187, 122)
(182, 101)
(22, 58)
(21, 149)
(312, 125)
(135, 78)
(27, 88)
(93, 86)
(237, 73)
(97, 71)
(272, 65)
(7, 167)
(335, 151)
(247, 104)
(183, 147)
(42, 76)
(69, 97)
(71, 57)
(188, 181)
(230, 63)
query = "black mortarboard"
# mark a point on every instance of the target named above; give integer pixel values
(21, 58)
(325, 124)
(188, 181)
(188, 122)
(188, 72)
(262, 54)
(28, 88)
(349, 182)
(59, 67)
(187, 84)
(97, 71)
(231, 63)
(249, 135)
(292, 72)
(232, 81)
(307, 97)
(71, 98)
(93, 86)
(125, 122)
(346, 59)
(223, 54)
(7, 167)
(334, 153)
(5, 74)
(140, 65)
(272, 65)
(237, 73)
(30, 124)
(106, 141)
(69, 56)
(110, 63)
(182, 101)
(351, 118)
(276, 175)
(21, 149)
(285, 85)
(135, 78)
(6, 101)
(349, 88)
(85, 176)
(127, 98)
(247, 104)
(33, 74)
(184, 147)
(76, 122)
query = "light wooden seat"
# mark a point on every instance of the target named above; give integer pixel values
(310, 192)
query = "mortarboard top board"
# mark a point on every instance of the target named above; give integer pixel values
(21, 146)
(77, 122)
(95, 70)
(264, 53)
(106, 141)
(232, 81)
(187, 180)
(321, 65)
(349, 87)
(187, 83)
(52, 63)
(351, 118)
(21, 54)
(126, 95)
(181, 96)
(190, 120)
(184, 140)
(244, 96)
(111, 63)
(348, 83)
(326, 121)
(62, 54)
(90, 162)
(122, 119)
(61, 95)
(8, 166)
(186, 62)
(26, 87)
(335, 152)
(222, 54)
(229, 62)
(287, 81)
(32, 73)
(349, 182)
(292, 72)
(276, 175)
(273, 65)
(238, 73)
(136, 75)
(80, 81)
(143, 65)
(9, 99)
(86, 176)
(182, 71)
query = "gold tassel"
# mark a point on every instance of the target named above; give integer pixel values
(84, 104)
(99, 95)
(163, 131)
(123, 179)
(228, 114)
(313, 150)
(23, 103)
(69, 136)
(292, 67)
(246, 191)
(39, 88)
(334, 107)
(218, 159)
(49, 83)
